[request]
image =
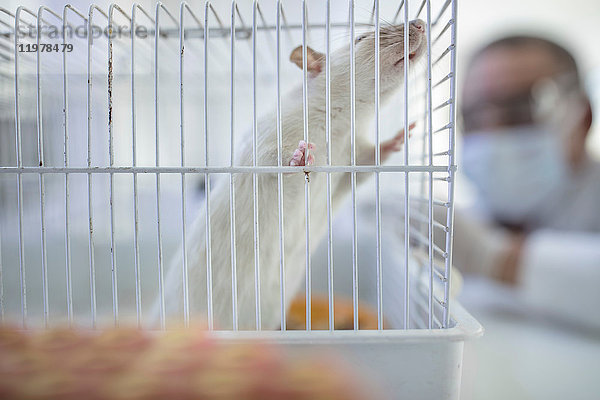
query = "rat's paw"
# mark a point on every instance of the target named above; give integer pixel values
(299, 156)
(395, 143)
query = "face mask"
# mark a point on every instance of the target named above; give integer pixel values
(515, 170)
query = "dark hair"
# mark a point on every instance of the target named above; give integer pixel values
(563, 57)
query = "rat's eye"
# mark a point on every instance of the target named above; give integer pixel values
(361, 37)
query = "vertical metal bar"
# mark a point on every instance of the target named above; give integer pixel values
(186, 296)
(353, 176)
(2, 307)
(451, 171)
(279, 175)
(231, 181)
(1, 283)
(136, 254)
(40, 132)
(372, 13)
(306, 155)
(237, 11)
(19, 176)
(422, 177)
(287, 27)
(328, 140)
(271, 43)
(406, 175)
(420, 8)
(40, 137)
(442, 10)
(254, 176)
(113, 260)
(89, 175)
(66, 164)
(161, 287)
(378, 162)
(209, 296)
(398, 12)
(421, 209)
(186, 300)
(430, 151)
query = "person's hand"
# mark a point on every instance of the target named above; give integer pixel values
(506, 269)
(482, 247)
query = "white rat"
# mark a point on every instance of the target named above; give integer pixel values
(293, 154)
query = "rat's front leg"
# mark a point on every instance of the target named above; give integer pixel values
(299, 158)
(386, 148)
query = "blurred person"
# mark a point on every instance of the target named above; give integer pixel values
(535, 223)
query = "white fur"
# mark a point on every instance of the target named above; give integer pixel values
(293, 191)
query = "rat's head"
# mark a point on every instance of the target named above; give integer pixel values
(391, 56)
(391, 52)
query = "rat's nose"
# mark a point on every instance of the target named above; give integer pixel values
(419, 24)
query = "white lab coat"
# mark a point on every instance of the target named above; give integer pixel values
(560, 265)
(559, 271)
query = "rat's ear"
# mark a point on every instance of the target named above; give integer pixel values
(314, 60)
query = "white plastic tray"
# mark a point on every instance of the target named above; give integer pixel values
(404, 364)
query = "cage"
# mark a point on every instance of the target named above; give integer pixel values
(119, 126)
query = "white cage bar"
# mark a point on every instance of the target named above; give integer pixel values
(200, 36)
(116, 147)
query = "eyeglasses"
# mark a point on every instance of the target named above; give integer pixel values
(533, 105)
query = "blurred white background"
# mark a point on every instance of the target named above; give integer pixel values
(520, 357)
